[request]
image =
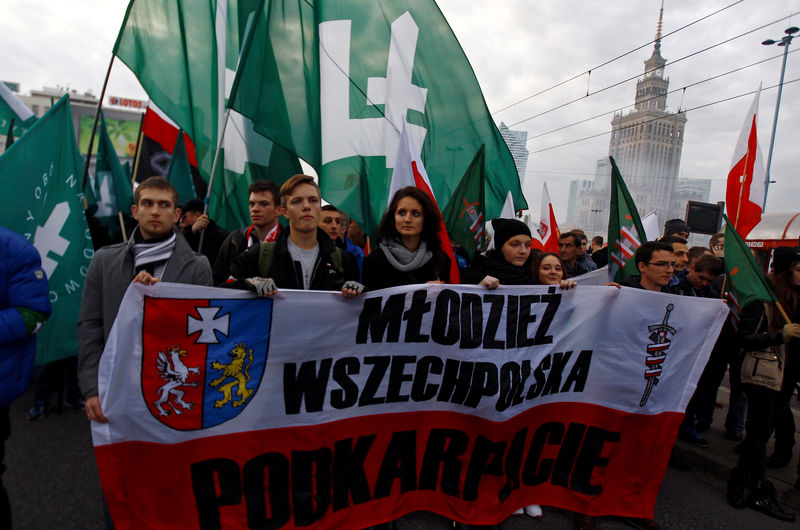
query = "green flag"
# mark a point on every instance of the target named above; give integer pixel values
(463, 215)
(179, 172)
(15, 116)
(197, 42)
(42, 172)
(112, 187)
(745, 281)
(625, 232)
(333, 80)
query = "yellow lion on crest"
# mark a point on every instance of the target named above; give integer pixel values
(237, 370)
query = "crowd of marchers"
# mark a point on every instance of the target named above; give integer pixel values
(319, 248)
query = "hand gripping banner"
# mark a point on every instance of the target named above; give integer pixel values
(310, 410)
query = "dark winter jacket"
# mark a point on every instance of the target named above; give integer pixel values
(22, 285)
(380, 274)
(288, 273)
(215, 235)
(494, 265)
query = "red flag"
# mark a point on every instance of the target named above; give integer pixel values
(159, 135)
(410, 171)
(744, 196)
(548, 228)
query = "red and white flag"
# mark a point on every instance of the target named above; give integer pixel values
(410, 171)
(548, 228)
(744, 197)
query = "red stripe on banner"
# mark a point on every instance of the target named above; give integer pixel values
(166, 134)
(363, 471)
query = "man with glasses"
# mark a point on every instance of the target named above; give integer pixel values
(656, 264)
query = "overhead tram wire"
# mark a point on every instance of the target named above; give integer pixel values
(661, 117)
(613, 85)
(618, 109)
(609, 61)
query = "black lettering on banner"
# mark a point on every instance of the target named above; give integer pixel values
(509, 384)
(471, 321)
(306, 383)
(267, 475)
(553, 300)
(443, 450)
(446, 318)
(526, 373)
(484, 383)
(512, 317)
(455, 381)
(567, 453)
(553, 385)
(379, 322)
(589, 458)
(493, 321)
(421, 390)
(399, 461)
(347, 395)
(525, 319)
(486, 458)
(349, 476)
(579, 372)
(537, 470)
(513, 464)
(538, 375)
(373, 382)
(311, 485)
(414, 314)
(205, 475)
(397, 376)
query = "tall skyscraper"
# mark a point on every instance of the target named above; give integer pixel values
(516, 142)
(646, 143)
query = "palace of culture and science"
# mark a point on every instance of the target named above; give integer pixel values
(646, 143)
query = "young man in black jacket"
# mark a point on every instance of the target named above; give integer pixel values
(303, 256)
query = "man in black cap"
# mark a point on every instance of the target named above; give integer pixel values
(193, 221)
(676, 227)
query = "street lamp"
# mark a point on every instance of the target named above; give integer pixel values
(785, 42)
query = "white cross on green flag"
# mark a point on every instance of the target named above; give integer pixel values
(333, 80)
(42, 172)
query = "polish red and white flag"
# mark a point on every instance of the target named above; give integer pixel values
(745, 193)
(410, 171)
(547, 232)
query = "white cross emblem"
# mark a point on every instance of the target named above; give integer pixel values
(208, 324)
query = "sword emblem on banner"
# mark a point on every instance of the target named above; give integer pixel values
(656, 353)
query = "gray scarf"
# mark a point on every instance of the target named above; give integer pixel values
(153, 253)
(403, 259)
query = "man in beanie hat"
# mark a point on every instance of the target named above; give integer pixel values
(192, 223)
(676, 227)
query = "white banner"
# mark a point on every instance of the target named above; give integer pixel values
(192, 377)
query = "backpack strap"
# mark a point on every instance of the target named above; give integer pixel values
(266, 255)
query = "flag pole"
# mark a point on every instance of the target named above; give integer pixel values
(213, 174)
(742, 178)
(94, 125)
(138, 149)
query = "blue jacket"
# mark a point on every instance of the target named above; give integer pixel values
(22, 284)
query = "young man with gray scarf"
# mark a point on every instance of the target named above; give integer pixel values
(156, 251)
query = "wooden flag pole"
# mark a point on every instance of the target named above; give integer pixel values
(211, 177)
(138, 149)
(94, 125)
(742, 178)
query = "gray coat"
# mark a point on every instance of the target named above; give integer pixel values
(109, 276)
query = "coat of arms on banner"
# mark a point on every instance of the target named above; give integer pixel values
(202, 359)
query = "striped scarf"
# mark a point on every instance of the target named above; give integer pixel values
(153, 254)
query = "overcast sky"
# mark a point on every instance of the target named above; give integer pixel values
(518, 48)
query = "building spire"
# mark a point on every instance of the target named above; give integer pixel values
(657, 47)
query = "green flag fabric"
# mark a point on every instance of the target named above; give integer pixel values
(179, 172)
(625, 231)
(112, 187)
(197, 42)
(463, 216)
(42, 172)
(15, 116)
(745, 281)
(333, 80)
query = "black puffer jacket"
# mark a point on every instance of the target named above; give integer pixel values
(378, 273)
(494, 265)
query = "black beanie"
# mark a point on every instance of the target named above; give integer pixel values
(505, 229)
(673, 226)
(193, 205)
(783, 257)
